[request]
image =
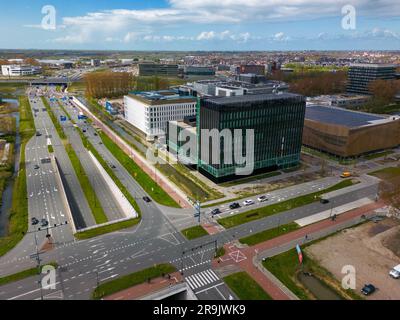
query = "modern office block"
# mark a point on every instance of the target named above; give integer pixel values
(152, 69)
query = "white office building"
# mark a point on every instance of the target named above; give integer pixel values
(19, 70)
(150, 111)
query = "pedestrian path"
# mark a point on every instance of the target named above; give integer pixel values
(202, 279)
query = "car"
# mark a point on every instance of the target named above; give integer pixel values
(324, 201)
(262, 199)
(34, 221)
(215, 211)
(44, 223)
(95, 134)
(248, 202)
(83, 130)
(113, 166)
(36, 166)
(146, 199)
(38, 134)
(368, 289)
(234, 205)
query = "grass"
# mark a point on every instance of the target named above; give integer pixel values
(18, 219)
(386, 173)
(269, 234)
(275, 208)
(125, 282)
(50, 148)
(145, 181)
(106, 229)
(245, 287)
(250, 179)
(22, 275)
(378, 155)
(94, 203)
(194, 232)
(220, 252)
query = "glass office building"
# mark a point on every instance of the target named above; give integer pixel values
(361, 75)
(277, 121)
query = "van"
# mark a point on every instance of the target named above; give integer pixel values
(395, 272)
(345, 174)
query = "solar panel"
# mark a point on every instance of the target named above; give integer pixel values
(340, 116)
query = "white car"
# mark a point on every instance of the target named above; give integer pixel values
(262, 199)
(248, 202)
(395, 272)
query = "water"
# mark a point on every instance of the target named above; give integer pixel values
(6, 204)
(318, 288)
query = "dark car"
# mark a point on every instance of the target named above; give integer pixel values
(44, 223)
(368, 289)
(324, 201)
(146, 199)
(83, 130)
(36, 167)
(112, 166)
(34, 221)
(234, 205)
(215, 211)
(38, 134)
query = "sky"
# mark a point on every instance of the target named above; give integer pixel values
(235, 25)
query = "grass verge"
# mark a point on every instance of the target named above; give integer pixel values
(245, 287)
(18, 219)
(386, 173)
(269, 234)
(194, 232)
(130, 280)
(146, 182)
(23, 274)
(275, 208)
(106, 229)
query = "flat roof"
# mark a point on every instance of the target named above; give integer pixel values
(342, 117)
(252, 98)
(161, 97)
(373, 65)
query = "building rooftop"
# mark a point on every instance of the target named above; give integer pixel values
(343, 117)
(373, 65)
(252, 98)
(162, 96)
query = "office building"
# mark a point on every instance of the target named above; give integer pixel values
(198, 70)
(277, 121)
(361, 76)
(252, 68)
(150, 111)
(152, 69)
(346, 133)
(20, 70)
(95, 62)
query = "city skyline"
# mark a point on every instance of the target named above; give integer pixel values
(179, 25)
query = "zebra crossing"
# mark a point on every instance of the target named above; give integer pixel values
(202, 279)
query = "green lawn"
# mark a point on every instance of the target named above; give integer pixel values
(194, 232)
(22, 275)
(220, 252)
(125, 282)
(146, 182)
(18, 220)
(275, 208)
(386, 173)
(245, 287)
(250, 179)
(269, 234)
(378, 155)
(50, 149)
(106, 229)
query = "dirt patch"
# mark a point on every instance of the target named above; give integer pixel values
(371, 248)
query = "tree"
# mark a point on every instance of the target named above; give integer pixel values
(31, 61)
(4, 62)
(384, 90)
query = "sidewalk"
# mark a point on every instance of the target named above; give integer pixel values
(246, 257)
(141, 290)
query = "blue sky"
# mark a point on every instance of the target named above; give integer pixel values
(202, 25)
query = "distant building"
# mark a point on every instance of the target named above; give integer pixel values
(277, 121)
(252, 68)
(361, 75)
(152, 69)
(64, 64)
(346, 133)
(150, 111)
(198, 70)
(340, 100)
(95, 62)
(20, 70)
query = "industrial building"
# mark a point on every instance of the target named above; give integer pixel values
(150, 111)
(277, 121)
(252, 68)
(346, 133)
(19, 70)
(361, 75)
(340, 100)
(152, 69)
(196, 70)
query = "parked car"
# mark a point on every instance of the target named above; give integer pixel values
(44, 223)
(34, 221)
(248, 202)
(234, 205)
(36, 167)
(262, 199)
(395, 272)
(368, 289)
(324, 201)
(215, 211)
(146, 199)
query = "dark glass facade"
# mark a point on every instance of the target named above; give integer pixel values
(361, 75)
(277, 121)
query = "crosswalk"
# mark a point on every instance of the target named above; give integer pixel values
(202, 279)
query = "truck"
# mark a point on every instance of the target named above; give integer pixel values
(395, 272)
(345, 174)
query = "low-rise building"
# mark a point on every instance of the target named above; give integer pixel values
(19, 70)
